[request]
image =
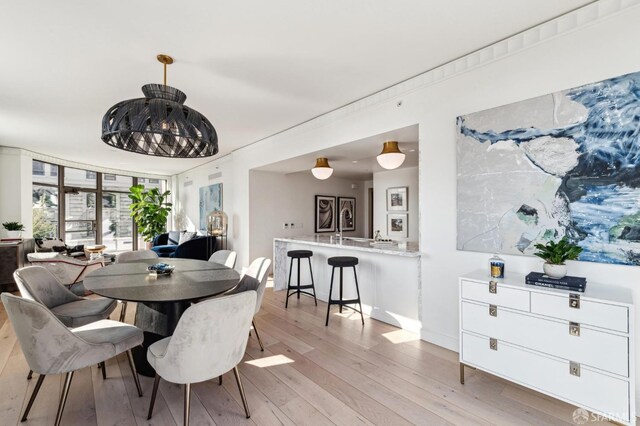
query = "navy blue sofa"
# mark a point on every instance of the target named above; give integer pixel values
(196, 248)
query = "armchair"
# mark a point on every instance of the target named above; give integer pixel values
(196, 248)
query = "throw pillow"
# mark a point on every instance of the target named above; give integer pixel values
(174, 238)
(186, 236)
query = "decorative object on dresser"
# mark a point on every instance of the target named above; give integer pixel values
(564, 283)
(12, 256)
(13, 229)
(559, 164)
(496, 267)
(347, 218)
(578, 348)
(555, 254)
(325, 217)
(397, 199)
(397, 225)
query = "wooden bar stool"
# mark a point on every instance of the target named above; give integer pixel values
(343, 262)
(297, 288)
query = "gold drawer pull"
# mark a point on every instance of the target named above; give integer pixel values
(493, 344)
(493, 287)
(574, 329)
(493, 310)
(574, 368)
(574, 301)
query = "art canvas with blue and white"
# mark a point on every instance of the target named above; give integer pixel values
(210, 200)
(567, 163)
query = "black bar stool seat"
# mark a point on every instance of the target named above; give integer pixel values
(298, 288)
(343, 262)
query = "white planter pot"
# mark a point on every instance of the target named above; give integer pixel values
(554, 271)
(14, 234)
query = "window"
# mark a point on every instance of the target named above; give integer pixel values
(91, 175)
(78, 178)
(45, 173)
(45, 211)
(108, 201)
(116, 182)
(38, 168)
(109, 177)
(156, 181)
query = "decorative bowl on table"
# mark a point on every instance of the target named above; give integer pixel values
(160, 268)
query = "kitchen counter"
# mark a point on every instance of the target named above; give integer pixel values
(355, 244)
(388, 277)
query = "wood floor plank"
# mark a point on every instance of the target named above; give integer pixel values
(222, 407)
(80, 408)
(7, 342)
(174, 396)
(111, 398)
(13, 386)
(303, 414)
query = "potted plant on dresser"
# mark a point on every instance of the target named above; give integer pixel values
(150, 211)
(14, 229)
(555, 254)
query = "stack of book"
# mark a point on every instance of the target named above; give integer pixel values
(565, 283)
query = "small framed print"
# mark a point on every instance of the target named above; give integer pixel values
(397, 226)
(325, 214)
(397, 199)
(346, 213)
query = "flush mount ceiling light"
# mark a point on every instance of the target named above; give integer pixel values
(391, 157)
(159, 124)
(322, 170)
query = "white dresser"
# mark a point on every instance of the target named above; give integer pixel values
(577, 347)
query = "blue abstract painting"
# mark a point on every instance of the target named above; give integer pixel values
(563, 164)
(210, 200)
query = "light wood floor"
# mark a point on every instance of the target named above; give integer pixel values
(308, 374)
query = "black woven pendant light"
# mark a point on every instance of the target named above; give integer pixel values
(159, 124)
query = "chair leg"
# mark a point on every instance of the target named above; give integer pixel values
(286, 303)
(298, 278)
(30, 375)
(104, 370)
(220, 380)
(156, 382)
(253, 322)
(63, 397)
(134, 372)
(242, 395)
(355, 276)
(313, 284)
(326, 323)
(187, 403)
(123, 310)
(33, 397)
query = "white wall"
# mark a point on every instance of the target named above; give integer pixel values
(588, 45)
(390, 179)
(15, 189)
(278, 198)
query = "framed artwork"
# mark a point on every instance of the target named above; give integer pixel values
(325, 214)
(210, 200)
(397, 199)
(397, 226)
(346, 213)
(562, 164)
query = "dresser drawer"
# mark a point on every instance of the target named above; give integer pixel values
(592, 390)
(504, 296)
(598, 349)
(598, 314)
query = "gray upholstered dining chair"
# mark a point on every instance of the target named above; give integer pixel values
(224, 257)
(258, 270)
(51, 348)
(130, 257)
(210, 340)
(39, 284)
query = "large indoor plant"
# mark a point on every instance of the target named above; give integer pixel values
(14, 229)
(555, 254)
(150, 210)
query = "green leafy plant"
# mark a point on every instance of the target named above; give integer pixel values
(150, 210)
(557, 253)
(13, 226)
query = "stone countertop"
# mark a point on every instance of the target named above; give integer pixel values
(412, 249)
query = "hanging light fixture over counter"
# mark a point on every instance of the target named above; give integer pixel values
(391, 157)
(322, 170)
(159, 124)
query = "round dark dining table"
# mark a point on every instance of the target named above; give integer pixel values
(161, 299)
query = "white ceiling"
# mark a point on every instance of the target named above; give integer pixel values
(253, 67)
(354, 160)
